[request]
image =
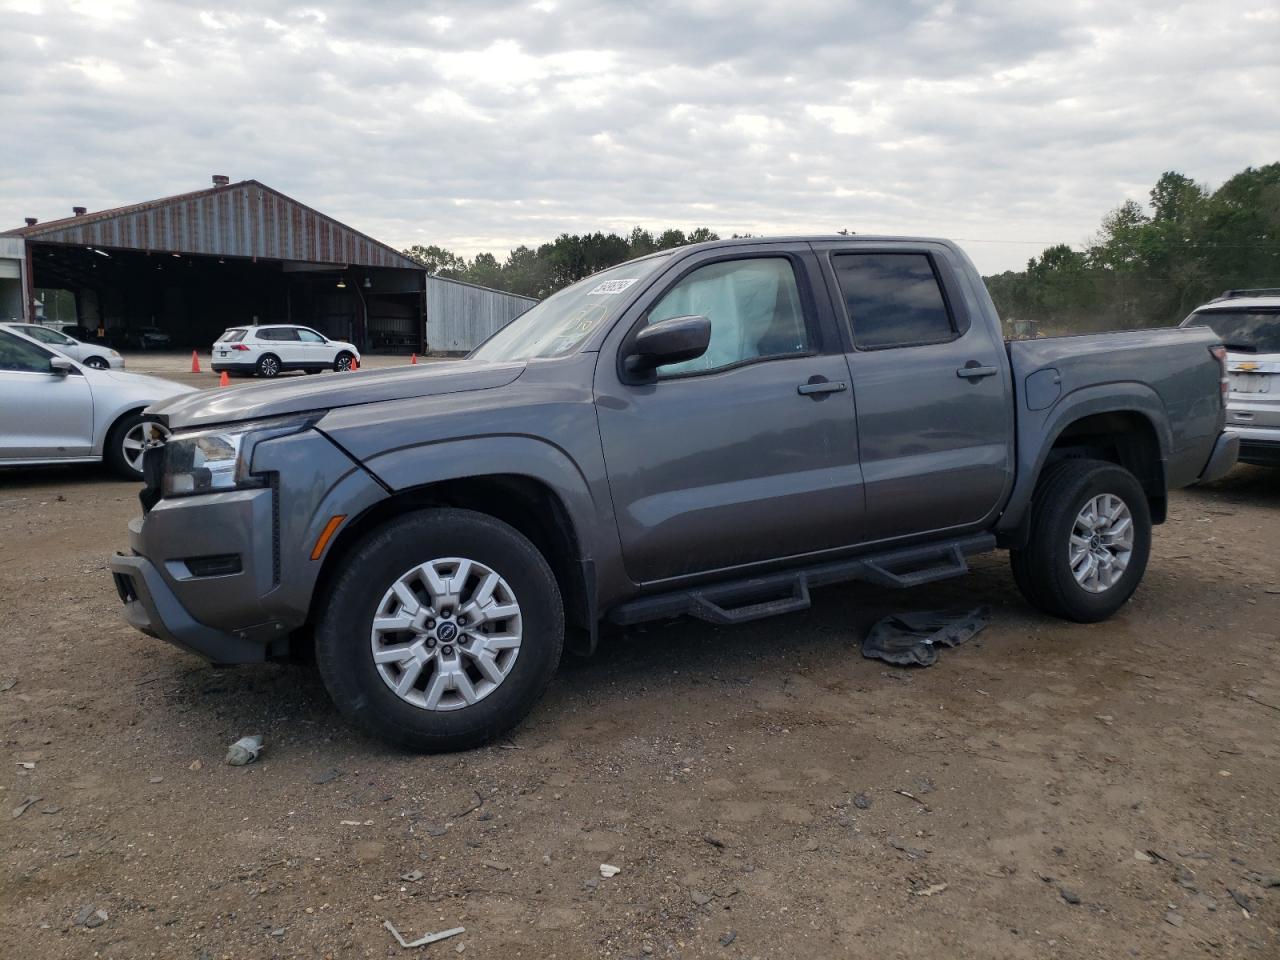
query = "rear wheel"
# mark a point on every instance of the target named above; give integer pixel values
(97, 363)
(129, 438)
(442, 630)
(1089, 543)
(268, 365)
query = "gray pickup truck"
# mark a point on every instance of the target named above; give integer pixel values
(709, 432)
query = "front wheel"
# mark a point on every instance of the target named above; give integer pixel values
(343, 361)
(441, 631)
(97, 363)
(128, 440)
(1089, 542)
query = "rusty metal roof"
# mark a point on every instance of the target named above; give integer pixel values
(245, 219)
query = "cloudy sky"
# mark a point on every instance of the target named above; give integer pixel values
(480, 125)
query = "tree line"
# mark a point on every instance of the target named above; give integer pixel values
(540, 272)
(1151, 264)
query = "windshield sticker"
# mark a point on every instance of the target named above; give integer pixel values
(609, 287)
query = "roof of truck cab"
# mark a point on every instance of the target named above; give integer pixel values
(803, 238)
(820, 238)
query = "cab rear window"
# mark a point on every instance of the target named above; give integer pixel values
(232, 336)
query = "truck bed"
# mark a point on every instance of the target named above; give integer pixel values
(1167, 374)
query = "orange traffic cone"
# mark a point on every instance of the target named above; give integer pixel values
(195, 362)
(355, 363)
(414, 358)
(224, 380)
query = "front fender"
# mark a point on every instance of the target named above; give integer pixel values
(496, 455)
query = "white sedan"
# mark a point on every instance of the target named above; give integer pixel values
(270, 350)
(53, 410)
(96, 355)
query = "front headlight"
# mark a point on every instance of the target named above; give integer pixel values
(206, 461)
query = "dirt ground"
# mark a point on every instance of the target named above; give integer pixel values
(1047, 790)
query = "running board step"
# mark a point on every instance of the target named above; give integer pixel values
(767, 595)
(951, 564)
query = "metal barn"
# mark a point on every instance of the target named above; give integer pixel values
(194, 264)
(461, 316)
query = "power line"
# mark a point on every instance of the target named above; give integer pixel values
(1198, 244)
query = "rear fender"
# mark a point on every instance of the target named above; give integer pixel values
(1038, 431)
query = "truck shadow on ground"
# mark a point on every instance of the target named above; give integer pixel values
(654, 661)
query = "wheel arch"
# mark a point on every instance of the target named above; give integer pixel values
(527, 503)
(1124, 424)
(110, 422)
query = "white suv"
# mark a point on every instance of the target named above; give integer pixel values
(270, 350)
(1248, 321)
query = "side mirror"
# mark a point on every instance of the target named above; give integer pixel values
(669, 341)
(60, 366)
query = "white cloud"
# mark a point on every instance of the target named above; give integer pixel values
(485, 124)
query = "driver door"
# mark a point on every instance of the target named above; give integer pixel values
(748, 453)
(43, 415)
(313, 350)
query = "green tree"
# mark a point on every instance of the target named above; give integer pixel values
(437, 260)
(671, 238)
(640, 242)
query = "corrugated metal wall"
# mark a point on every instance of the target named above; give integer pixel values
(460, 316)
(246, 219)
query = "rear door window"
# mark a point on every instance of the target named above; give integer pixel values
(279, 334)
(893, 299)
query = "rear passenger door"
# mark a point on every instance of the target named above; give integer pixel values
(930, 380)
(284, 343)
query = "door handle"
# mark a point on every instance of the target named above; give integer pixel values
(974, 371)
(820, 385)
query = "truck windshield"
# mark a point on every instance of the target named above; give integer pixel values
(564, 320)
(1245, 331)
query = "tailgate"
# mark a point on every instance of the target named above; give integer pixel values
(1255, 390)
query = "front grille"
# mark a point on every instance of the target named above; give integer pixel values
(124, 587)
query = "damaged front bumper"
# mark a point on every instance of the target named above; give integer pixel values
(150, 606)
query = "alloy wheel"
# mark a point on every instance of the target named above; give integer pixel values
(446, 634)
(1101, 542)
(140, 438)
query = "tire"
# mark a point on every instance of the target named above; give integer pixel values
(345, 636)
(121, 450)
(268, 365)
(343, 361)
(1043, 570)
(97, 363)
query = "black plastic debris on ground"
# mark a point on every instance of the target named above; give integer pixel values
(912, 639)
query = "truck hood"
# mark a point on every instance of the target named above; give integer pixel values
(332, 390)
